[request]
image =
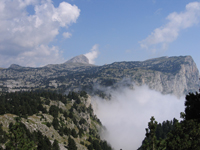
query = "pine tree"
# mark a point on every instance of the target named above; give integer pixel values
(19, 139)
(71, 144)
(55, 145)
(150, 141)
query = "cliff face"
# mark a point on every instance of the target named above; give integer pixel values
(176, 75)
(169, 75)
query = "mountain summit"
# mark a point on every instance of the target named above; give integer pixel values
(79, 59)
(168, 75)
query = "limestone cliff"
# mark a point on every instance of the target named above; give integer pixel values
(176, 75)
(169, 75)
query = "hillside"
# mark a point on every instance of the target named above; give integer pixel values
(169, 75)
(52, 117)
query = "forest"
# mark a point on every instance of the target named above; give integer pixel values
(168, 135)
(39, 103)
(175, 135)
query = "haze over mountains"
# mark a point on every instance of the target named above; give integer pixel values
(168, 75)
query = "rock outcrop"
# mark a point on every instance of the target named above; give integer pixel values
(79, 59)
(169, 75)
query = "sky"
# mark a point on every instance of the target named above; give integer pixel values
(39, 32)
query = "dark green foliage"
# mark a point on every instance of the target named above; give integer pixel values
(150, 140)
(67, 131)
(24, 104)
(55, 145)
(163, 129)
(90, 147)
(186, 136)
(96, 145)
(65, 115)
(19, 138)
(74, 121)
(90, 110)
(82, 109)
(2, 109)
(61, 131)
(27, 103)
(83, 94)
(192, 109)
(75, 106)
(82, 121)
(92, 132)
(108, 82)
(81, 132)
(71, 144)
(71, 115)
(105, 146)
(41, 108)
(174, 135)
(48, 124)
(43, 143)
(90, 139)
(10, 125)
(53, 96)
(74, 96)
(186, 133)
(73, 133)
(3, 135)
(47, 102)
(53, 110)
(55, 123)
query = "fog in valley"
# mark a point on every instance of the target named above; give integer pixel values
(127, 113)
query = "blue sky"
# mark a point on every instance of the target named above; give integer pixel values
(39, 32)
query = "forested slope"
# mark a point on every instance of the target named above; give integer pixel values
(47, 120)
(175, 135)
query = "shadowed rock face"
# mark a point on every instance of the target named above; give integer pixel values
(79, 59)
(169, 75)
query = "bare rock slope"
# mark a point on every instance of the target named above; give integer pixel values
(169, 75)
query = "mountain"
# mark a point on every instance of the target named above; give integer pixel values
(79, 59)
(38, 119)
(79, 62)
(168, 75)
(15, 66)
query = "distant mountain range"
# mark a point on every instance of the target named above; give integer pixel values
(169, 75)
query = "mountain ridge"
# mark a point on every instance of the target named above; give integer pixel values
(176, 75)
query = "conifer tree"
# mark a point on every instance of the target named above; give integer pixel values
(71, 144)
(55, 145)
(19, 139)
(150, 140)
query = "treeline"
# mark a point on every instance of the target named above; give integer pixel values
(174, 135)
(24, 104)
(28, 103)
(19, 137)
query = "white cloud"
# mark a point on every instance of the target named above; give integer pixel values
(128, 112)
(92, 55)
(67, 35)
(161, 37)
(29, 35)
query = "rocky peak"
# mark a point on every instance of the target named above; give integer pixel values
(15, 66)
(79, 59)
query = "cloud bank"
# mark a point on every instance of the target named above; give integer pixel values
(160, 38)
(25, 37)
(128, 112)
(93, 54)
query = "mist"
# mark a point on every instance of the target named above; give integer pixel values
(127, 113)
